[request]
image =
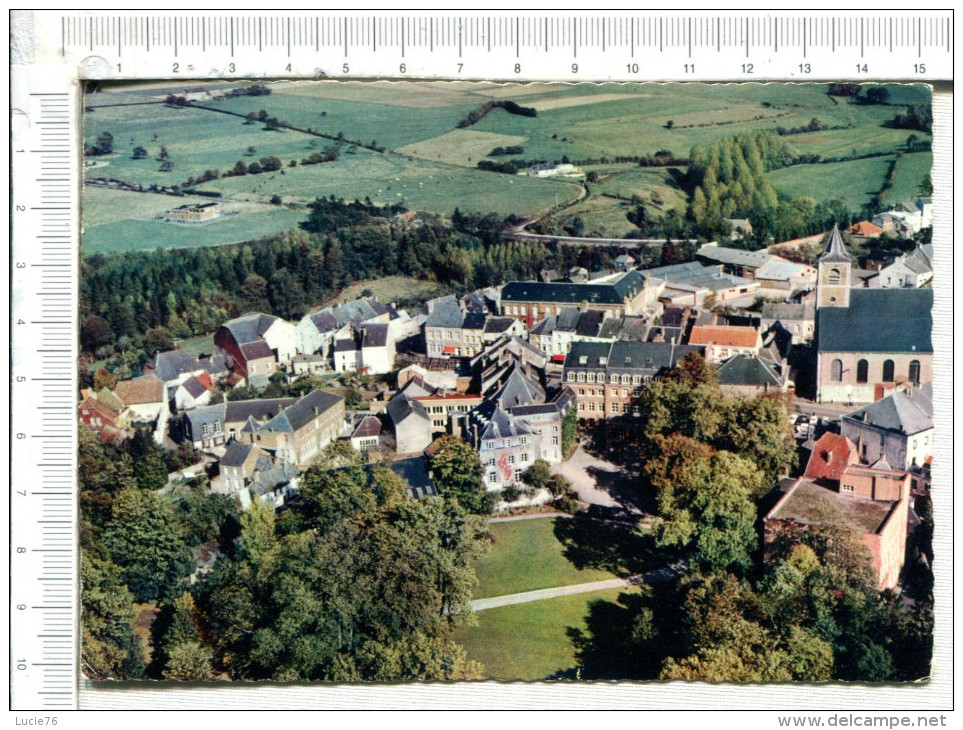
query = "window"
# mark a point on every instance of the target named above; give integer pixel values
(613, 379)
(834, 276)
(492, 477)
(636, 379)
(847, 487)
(518, 475)
(862, 371)
(524, 440)
(511, 458)
(571, 377)
(836, 371)
(914, 371)
(591, 406)
(889, 371)
(590, 377)
(581, 377)
(524, 457)
(491, 462)
(625, 380)
(554, 440)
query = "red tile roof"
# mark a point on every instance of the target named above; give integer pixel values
(831, 455)
(865, 228)
(205, 380)
(725, 336)
(140, 390)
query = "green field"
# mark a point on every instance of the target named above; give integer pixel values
(418, 184)
(139, 235)
(854, 182)
(436, 171)
(909, 174)
(546, 553)
(102, 206)
(196, 346)
(531, 641)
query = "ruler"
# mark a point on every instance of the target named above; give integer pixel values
(52, 51)
(43, 555)
(529, 46)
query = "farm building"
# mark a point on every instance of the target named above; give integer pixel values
(194, 213)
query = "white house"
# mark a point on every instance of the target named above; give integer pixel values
(898, 428)
(909, 271)
(377, 349)
(193, 392)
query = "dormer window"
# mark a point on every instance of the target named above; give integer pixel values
(583, 360)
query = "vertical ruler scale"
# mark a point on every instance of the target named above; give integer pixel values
(43, 552)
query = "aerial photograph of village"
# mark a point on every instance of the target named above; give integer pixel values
(390, 381)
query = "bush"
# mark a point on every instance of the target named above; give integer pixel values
(510, 494)
(538, 474)
(558, 485)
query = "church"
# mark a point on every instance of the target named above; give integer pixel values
(868, 341)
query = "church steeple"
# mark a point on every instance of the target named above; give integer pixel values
(835, 264)
(835, 248)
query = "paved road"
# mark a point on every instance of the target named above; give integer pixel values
(483, 604)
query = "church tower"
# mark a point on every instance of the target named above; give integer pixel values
(833, 282)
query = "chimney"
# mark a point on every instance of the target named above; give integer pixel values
(316, 411)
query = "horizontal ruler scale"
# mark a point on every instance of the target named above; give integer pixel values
(621, 47)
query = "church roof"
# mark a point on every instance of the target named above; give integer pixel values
(835, 249)
(878, 320)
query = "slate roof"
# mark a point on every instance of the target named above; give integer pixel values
(236, 454)
(628, 357)
(633, 329)
(261, 409)
(610, 329)
(401, 407)
(345, 345)
(368, 427)
(694, 274)
(214, 364)
(474, 321)
(567, 319)
(835, 249)
(748, 370)
(498, 325)
(208, 415)
(734, 256)
(590, 323)
(878, 320)
(617, 291)
(148, 389)
(445, 313)
(375, 335)
(300, 413)
(545, 327)
(249, 327)
(194, 386)
(497, 423)
(256, 350)
(324, 321)
(917, 262)
(905, 411)
(172, 364)
(519, 390)
(674, 316)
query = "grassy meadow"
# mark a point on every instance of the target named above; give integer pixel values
(429, 163)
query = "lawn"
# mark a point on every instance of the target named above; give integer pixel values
(532, 641)
(139, 235)
(854, 182)
(546, 553)
(196, 346)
